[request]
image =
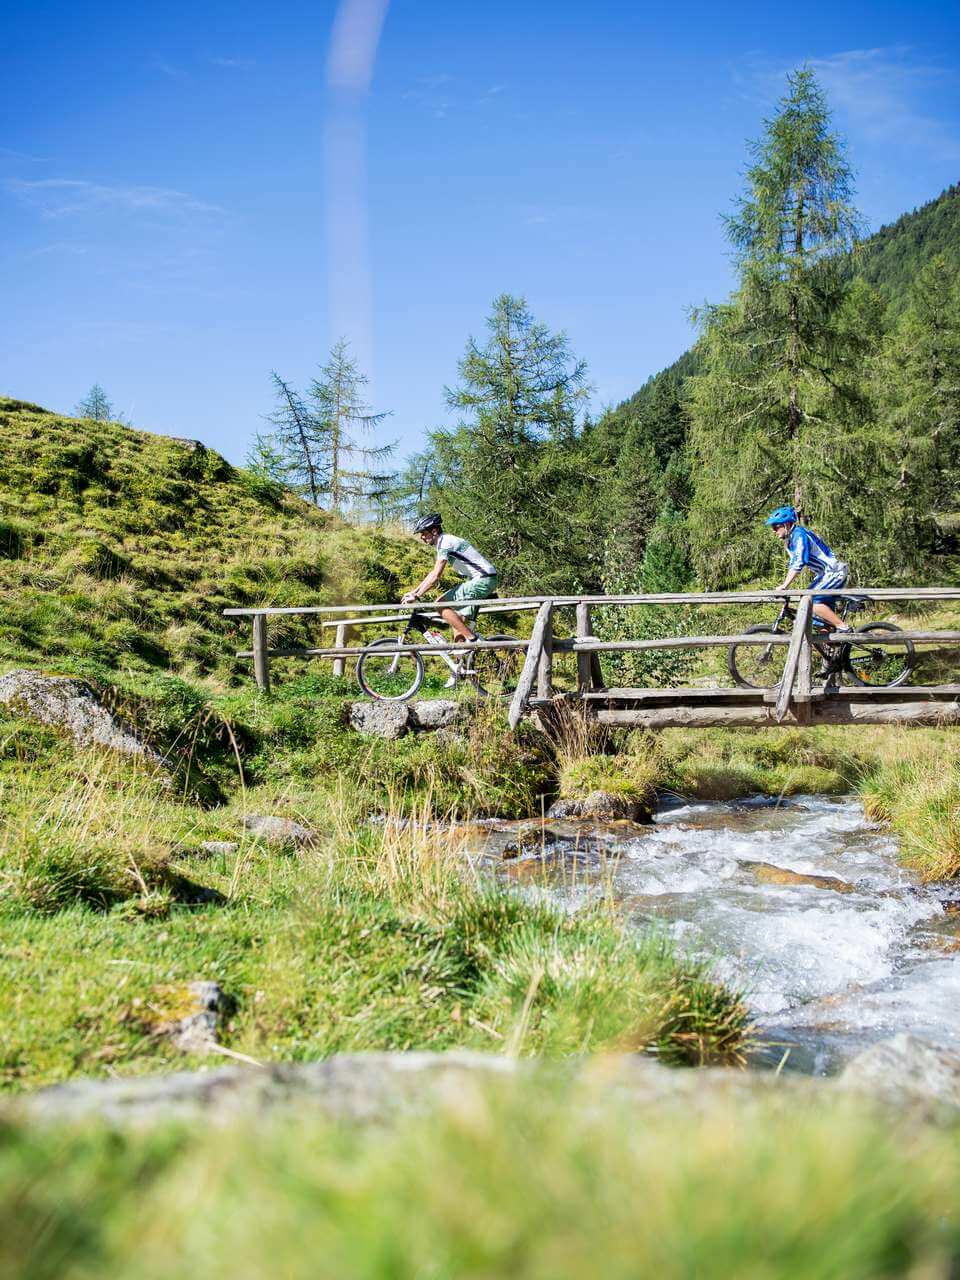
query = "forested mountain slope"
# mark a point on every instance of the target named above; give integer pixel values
(119, 548)
(889, 260)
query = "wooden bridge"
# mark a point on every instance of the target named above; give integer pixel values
(796, 699)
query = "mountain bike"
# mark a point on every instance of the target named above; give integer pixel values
(394, 677)
(760, 666)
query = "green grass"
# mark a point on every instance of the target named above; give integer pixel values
(380, 937)
(536, 1181)
(119, 549)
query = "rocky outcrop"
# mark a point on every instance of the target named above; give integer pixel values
(906, 1069)
(604, 806)
(278, 831)
(72, 706)
(375, 1086)
(908, 1075)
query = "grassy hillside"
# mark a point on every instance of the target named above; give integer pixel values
(119, 549)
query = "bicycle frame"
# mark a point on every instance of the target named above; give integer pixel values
(419, 622)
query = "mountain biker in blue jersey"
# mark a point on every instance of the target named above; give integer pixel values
(806, 551)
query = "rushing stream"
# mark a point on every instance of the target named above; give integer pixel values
(829, 964)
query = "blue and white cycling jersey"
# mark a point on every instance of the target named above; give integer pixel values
(807, 551)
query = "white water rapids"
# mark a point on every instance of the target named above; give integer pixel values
(825, 972)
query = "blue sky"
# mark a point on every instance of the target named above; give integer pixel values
(193, 195)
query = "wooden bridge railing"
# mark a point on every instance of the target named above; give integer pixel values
(795, 700)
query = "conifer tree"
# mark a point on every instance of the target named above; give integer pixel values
(636, 497)
(507, 476)
(315, 441)
(918, 388)
(778, 409)
(96, 406)
(297, 444)
(354, 470)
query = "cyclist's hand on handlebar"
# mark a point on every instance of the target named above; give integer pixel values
(409, 598)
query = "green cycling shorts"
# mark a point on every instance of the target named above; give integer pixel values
(471, 589)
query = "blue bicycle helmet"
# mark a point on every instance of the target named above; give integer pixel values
(782, 515)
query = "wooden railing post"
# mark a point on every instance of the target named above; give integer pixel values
(799, 639)
(545, 665)
(803, 685)
(531, 665)
(339, 664)
(589, 672)
(261, 659)
(584, 663)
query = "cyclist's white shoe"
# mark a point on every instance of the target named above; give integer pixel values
(451, 683)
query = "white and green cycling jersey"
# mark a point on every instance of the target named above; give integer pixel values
(463, 558)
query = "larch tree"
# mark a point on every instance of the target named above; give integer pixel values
(96, 406)
(297, 445)
(354, 469)
(778, 411)
(315, 444)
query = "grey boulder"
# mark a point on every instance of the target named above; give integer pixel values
(379, 719)
(906, 1069)
(437, 713)
(71, 705)
(274, 830)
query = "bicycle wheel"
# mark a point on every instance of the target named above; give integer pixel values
(390, 677)
(496, 671)
(879, 665)
(757, 666)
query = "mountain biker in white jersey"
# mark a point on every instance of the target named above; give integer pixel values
(807, 551)
(478, 574)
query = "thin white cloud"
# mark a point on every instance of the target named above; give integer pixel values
(234, 64)
(8, 153)
(432, 93)
(883, 94)
(167, 68)
(63, 197)
(59, 247)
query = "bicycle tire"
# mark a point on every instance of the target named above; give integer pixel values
(880, 668)
(379, 682)
(747, 662)
(497, 671)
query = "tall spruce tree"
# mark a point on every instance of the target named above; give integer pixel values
(778, 411)
(507, 476)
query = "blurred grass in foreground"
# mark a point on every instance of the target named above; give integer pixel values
(516, 1180)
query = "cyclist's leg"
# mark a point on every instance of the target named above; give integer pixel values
(472, 590)
(824, 606)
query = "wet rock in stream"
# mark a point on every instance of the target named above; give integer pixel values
(767, 873)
